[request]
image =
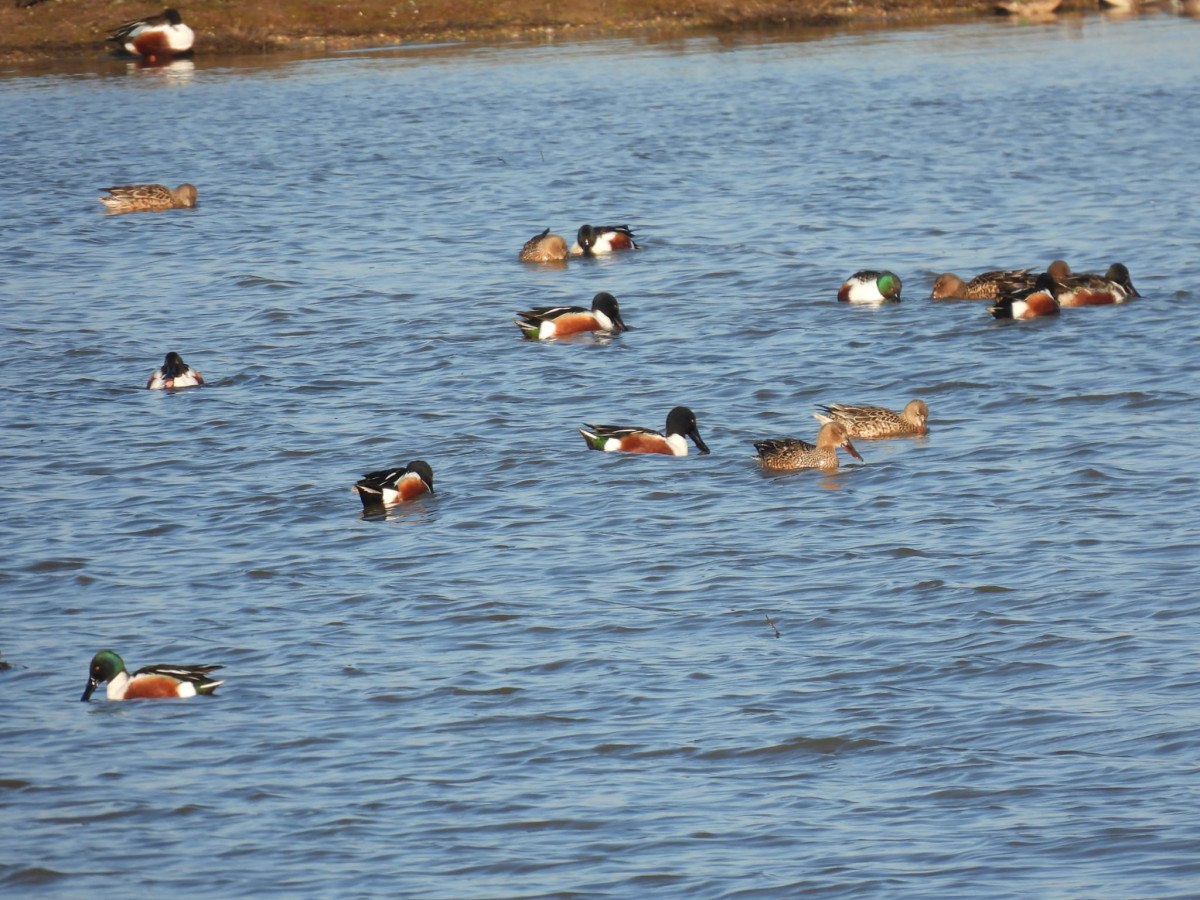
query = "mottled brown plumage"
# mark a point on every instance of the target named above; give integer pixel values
(143, 197)
(544, 248)
(792, 453)
(872, 422)
(990, 285)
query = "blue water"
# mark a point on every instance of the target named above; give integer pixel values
(964, 668)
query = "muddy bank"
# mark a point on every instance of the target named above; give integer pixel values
(77, 28)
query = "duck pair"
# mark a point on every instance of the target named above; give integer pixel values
(390, 487)
(380, 489)
(591, 240)
(1049, 294)
(839, 423)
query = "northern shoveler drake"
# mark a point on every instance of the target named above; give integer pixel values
(544, 248)
(791, 453)
(148, 197)
(871, 422)
(174, 373)
(1034, 303)
(155, 37)
(559, 321)
(594, 240)
(870, 287)
(388, 487)
(1114, 286)
(149, 683)
(681, 423)
(991, 285)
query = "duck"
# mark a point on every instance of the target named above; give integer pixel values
(400, 484)
(546, 322)
(148, 683)
(681, 423)
(1114, 286)
(174, 373)
(873, 422)
(783, 454)
(869, 286)
(990, 285)
(594, 240)
(148, 197)
(544, 248)
(1034, 303)
(154, 38)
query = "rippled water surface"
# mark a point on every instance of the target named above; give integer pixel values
(964, 668)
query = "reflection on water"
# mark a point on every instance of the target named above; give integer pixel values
(961, 668)
(175, 69)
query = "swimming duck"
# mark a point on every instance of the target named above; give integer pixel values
(990, 285)
(791, 453)
(544, 248)
(1114, 286)
(594, 240)
(174, 373)
(148, 197)
(148, 683)
(870, 287)
(558, 321)
(1038, 301)
(388, 487)
(871, 422)
(681, 423)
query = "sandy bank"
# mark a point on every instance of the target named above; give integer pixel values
(78, 28)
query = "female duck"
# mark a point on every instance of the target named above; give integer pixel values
(872, 422)
(784, 454)
(148, 197)
(544, 248)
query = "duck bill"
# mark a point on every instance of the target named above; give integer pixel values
(87, 691)
(694, 434)
(849, 448)
(619, 324)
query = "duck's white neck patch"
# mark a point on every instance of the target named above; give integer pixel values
(117, 686)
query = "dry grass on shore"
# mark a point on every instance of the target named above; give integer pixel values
(65, 28)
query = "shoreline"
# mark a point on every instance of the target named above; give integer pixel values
(77, 29)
